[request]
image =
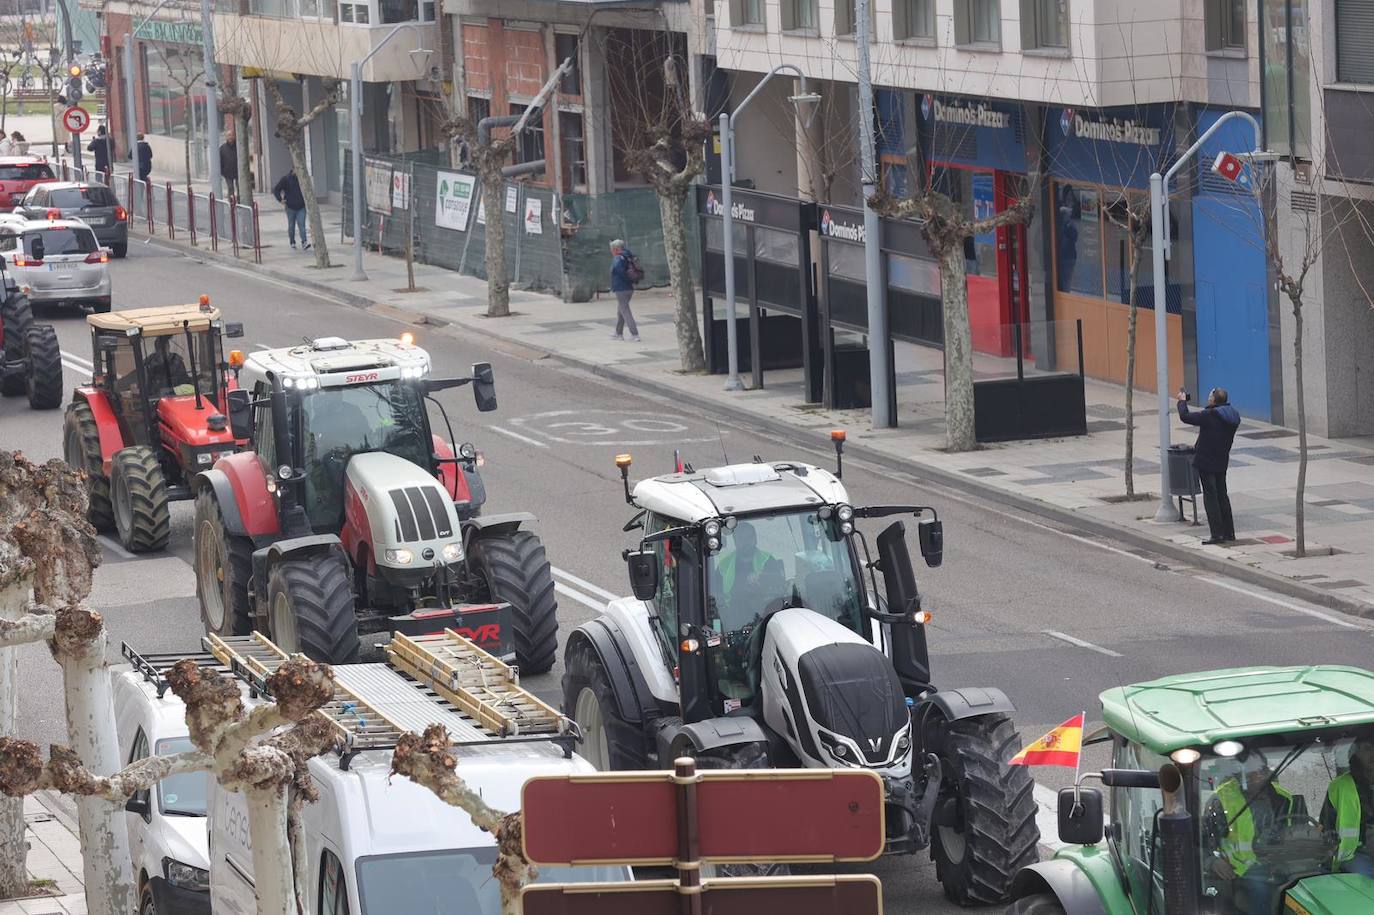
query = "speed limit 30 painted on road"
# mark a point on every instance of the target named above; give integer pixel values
(611, 427)
(76, 119)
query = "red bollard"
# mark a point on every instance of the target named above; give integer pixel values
(257, 235)
(171, 214)
(191, 212)
(234, 223)
(148, 206)
(214, 234)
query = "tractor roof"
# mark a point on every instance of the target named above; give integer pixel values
(738, 489)
(155, 321)
(334, 361)
(1199, 709)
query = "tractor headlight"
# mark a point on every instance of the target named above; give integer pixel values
(846, 527)
(399, 557)
(712, 528)
(839, 751)
(284, 471)
(845, 513)
(452, 552)
(204, 457)
(713, 543)
(903, 743)
(467, 451)
(185, 876)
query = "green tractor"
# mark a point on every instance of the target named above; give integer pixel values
(1243, 792)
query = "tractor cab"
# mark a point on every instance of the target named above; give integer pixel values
(1232, 792)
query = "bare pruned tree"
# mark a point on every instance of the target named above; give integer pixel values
(186, 68)
(290, 127)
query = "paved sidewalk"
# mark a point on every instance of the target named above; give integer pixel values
(54, 851)
(1077, 480)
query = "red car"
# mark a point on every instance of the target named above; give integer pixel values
(18, 174)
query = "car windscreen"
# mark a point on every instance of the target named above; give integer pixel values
(456, 880)
(62, 240)
(181, 795)
(75, 198)
(36, 171)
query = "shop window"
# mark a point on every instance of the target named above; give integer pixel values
(715, 237)
(1286, 66)
(913, 274)
(799, 15)
(531, 145)
(745, 13)
(846, 262)
(1044, 24)
(1078, 240)
(977, 22)
(1225, 25)
(176, 91)
(1354, 42)
(775, 246)
(573, 150)
(1122, 216)
(913, 19)
(975, 195)
(565, 47)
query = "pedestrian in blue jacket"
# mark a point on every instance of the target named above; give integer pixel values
(1217, 424)
(623, 285)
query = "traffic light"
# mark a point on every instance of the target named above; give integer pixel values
(74, 88)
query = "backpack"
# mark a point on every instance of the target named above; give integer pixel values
(633, 272)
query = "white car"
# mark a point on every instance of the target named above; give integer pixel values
(56, 261)
(168, 825)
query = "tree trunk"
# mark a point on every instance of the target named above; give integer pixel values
(690, 354)
(186, 147)
(498, 286)
(312, 204)
(271, 850)
(14, 876)
(958, 349)
(1132, 322)
(1300, 535)
(91, 734)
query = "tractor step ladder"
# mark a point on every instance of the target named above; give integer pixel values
(475, 682)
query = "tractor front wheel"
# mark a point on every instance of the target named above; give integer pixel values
(993, 833)
(224, 566)
(16, 317)
(81, 449)
(310, 609)
(43, 377)
(516, 570)
(610, 743)
(138, 491)
(1039, 904)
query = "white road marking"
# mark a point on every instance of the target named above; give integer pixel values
(82, 370)
(579, 596)
(75, 358)
(1089, 541)
(1065, 637)
(114, 546)
(516, 435)
(584, 584)
(1287, 605)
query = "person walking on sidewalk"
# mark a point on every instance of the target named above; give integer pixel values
(1217, 424)
(288, 194)
(229, 165)
(624, 273)
(145, 159)
(100, 147)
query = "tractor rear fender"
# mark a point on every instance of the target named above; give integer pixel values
(970, 702)
(1084, 880)
(634, 702)
(708, 737)
(293, 548)
(240, 485)
(111, 439)
(496, 525)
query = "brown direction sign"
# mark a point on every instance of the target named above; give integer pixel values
(858, 894)
(817, 815)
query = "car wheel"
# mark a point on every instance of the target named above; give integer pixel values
(120, 249)
(146, 904)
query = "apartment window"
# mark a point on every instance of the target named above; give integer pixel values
(977, 22)
(1044, 24)
(574, 150)
(799, 15)
(913, 19)
(564, 48)
(1225, 25)
(1285, 69)
(354, 12)
(1354, 41)
(394, 11)
(531, 146)
(748, 12)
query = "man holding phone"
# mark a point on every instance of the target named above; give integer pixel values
(1217, 424)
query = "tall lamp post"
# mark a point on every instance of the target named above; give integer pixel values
(355, 117)
(1159, 210)
(727, 180)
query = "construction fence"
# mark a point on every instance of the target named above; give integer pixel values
(555, 243)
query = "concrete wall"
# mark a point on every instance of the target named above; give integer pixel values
(765, 136)
(1348, 319)
(316, 48)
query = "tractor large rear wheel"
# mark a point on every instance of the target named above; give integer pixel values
(138, 492)
(224, 566)
(16, 317)
(81, 449)
(310, 609)
(43, 377)
(610, 743)
(516, 570)
(993, 832)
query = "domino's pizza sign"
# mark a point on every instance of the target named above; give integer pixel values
(848, 230)
(1066, 122)
(713, 207)
(927, 101)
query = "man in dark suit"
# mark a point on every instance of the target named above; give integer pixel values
(1217, 424)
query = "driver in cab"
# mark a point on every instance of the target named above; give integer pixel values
(1348, 812)
(166, 369)
(1249, 808)
(744, 579)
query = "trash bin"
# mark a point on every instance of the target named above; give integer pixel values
(1183, 478)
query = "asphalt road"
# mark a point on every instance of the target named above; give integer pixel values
(1049, 616)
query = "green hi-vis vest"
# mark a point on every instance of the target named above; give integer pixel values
(729, 561)
(1344, 795)
(1238, 845)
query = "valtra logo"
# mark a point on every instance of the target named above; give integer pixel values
(1066, 121)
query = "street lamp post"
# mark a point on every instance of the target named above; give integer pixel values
(1159, 213)
(212, 115)
(727, 180)
(131, 128)
(355, 117)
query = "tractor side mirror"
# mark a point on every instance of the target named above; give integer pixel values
(931, 535)
(643, 565)
(1130, 778)
(241, 414)
(483, 387)
(233, 329)
(1080, 816)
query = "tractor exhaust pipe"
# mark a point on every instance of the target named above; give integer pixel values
(1182, 883)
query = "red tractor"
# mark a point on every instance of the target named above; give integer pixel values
(152, 417)
(350, 517)
(30, 359)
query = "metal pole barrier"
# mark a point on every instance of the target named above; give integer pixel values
(191, 213)
(148, 206)
(213, 117)
(171, 214)
(234, 224)
(727, 178)
(214, 224)
(257, 235)
(879, 364)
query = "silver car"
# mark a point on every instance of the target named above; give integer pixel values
(93, 204)
(57, 261)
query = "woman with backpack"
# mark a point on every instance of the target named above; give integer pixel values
(625, 272)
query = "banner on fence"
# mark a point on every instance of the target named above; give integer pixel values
(534, 216)
(453, 200)
(377, 178)
(512, 196)
(400, 190)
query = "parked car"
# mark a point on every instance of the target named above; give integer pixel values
(56, 261)
(18, 175)
(168, 831)
(93, 204)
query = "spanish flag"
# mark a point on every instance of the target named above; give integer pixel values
(1059, 747)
